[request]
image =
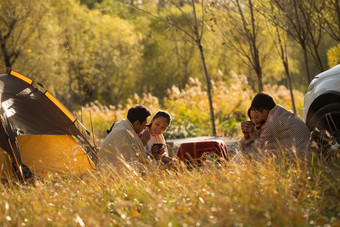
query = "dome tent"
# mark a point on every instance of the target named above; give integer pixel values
(37, 133)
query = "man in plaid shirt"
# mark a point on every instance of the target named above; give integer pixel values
(281, 131)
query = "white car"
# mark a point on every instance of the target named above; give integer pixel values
(322, 102)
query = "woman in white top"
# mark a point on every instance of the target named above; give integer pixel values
(158, 125)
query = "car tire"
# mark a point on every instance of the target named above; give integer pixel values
(327, 119)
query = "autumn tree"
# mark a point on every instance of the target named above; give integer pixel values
(329, 10)
(241, 29)
(99, 55)
(19, 21)
(281, 45)
(118, 54)
(280, 40)
(168, 60)
(192, 26)
(315, 31)
(298, 20)
(329, 19)
(170, 56)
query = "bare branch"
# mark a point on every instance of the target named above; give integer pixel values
(161, 19)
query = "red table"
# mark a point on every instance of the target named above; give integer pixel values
(196, 151)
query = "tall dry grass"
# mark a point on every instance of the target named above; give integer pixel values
(269, 193)
(189, 108)
(98, 118)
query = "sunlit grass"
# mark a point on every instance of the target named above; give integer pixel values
(270, 193)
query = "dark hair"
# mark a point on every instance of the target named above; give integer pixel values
(138, 113)
(262, 101)
(250, 109)
(161, 113)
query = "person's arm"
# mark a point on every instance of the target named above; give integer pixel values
(145, 136)
(166, 159)
(246, 144)
(160, 154)
(247, 128)
(256, 140)
(249, 135)
(157, 152)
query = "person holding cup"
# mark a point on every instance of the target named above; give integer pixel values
(247, 126)
(249, 129)
(281, 131)
(156, 146)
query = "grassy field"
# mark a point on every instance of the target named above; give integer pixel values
(271, 193)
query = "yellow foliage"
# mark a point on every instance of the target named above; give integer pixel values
(334, 55)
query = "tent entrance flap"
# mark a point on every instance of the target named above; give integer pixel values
(44, 154)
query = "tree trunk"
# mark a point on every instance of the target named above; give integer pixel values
(258, 68)
(285, 65)
(6, 57)
(259, 79)
(207, 80)
(313, 46)
(305, 57)
(257, 64)
(256, 58)
(284, 60)
(206, 76)
(337, 7)
(317, 58)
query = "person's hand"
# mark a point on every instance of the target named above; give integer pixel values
(247, 127)
(145, 136)
(157, 152)
(166, 159)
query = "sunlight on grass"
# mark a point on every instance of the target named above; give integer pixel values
(271, 193)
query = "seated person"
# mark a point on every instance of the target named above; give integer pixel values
(123, 141)
(250, 129)
(158, 125)
(281, 131)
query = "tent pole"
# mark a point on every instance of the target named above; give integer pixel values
(16, 160)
